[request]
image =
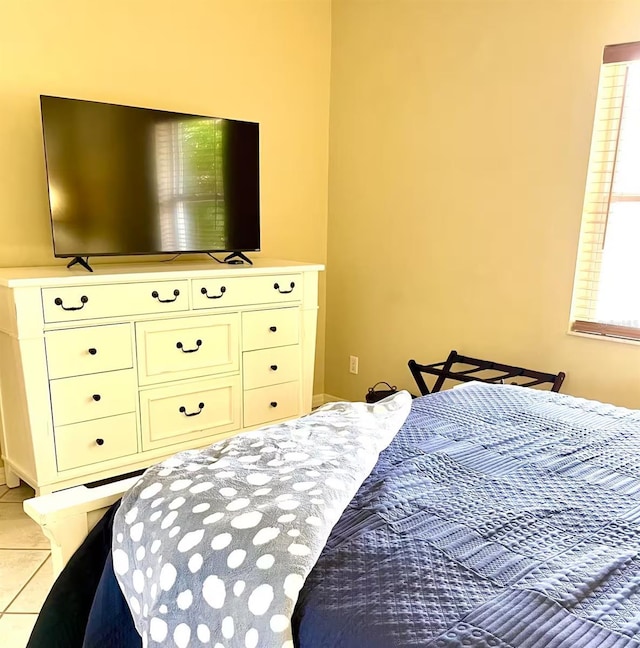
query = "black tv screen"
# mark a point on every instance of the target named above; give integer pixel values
(125, 180)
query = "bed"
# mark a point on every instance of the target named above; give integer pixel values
(496, 516)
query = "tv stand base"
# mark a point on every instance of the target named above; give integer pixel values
(237, 257)
(80, 261)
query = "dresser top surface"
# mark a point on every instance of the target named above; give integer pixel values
(118, 273)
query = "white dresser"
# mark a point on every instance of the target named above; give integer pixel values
(108, 372)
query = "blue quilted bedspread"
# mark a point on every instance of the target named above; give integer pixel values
(499, 516)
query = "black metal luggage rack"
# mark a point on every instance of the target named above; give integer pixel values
(481, 370)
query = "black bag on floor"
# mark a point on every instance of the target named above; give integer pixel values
(374, 395)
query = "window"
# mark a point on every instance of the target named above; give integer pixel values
(606, 294)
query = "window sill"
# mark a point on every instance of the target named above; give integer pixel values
(604, 338)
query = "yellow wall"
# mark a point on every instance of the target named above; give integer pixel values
(459, 138)
(262, 60)
(459, 142)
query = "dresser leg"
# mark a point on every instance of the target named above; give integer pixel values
(13, 481)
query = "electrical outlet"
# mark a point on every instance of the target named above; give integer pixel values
(353, 364)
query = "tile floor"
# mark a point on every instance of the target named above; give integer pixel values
(25, 568)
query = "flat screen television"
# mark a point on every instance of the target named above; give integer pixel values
(125, 180)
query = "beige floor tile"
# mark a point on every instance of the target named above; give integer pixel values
(3, 489)
(20, 494)
(33, 595)
(16, 568)
(18, 530)
(15, 629)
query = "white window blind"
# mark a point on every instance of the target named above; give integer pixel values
(606, 295)
(190, 184)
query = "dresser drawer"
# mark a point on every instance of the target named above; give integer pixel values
(91, 442)
(271, 403)
(93, 349)
(271, 366)
(234, 291)
(270, 328)
(83, 398)
(74, 303)
(189, 412)
(187, 347)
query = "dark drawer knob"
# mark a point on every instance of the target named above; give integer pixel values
(181, 347)
(83, 300)
(183, 410)
(100, 441)
(274, 367)
(273, 404)
(96, 397)
(92, 351)
(205, 292)
(273, 329)
(292, 285)
(156, 295)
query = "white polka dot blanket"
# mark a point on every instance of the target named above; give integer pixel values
(213, 546)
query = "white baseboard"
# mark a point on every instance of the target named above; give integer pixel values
(321, 399)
